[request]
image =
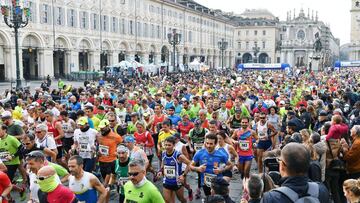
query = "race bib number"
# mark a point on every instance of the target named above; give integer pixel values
(244, 145)
(198, 146)
(4, 156)
(123, 180)
(83, 147)
(208, 178)
(104, 150)
(170, 172)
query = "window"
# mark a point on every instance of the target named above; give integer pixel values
(138, 29)
(255, 44)
(190, 36)
(122, 1)
(239, 45)
(281, 36)
(72, 18)
(247, 45)
(146, 30)
(158, 32)
(247, 32)
(357, 4)
(122, 26)
(131, 27)
(152, 34)
(32, 7)
(59, 15)
(114, 24)
(104, 23)
(264, 32)
(284, 29)
(301, 35)
(94, 21)
(263, 45)
(239, 33)
(255, 32)
(84, 20)
(46, 14)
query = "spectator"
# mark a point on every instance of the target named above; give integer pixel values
(351, 189)
(221, 187)
(294, 165)
(351, 154)
(255, 187)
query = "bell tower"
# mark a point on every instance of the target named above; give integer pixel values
(355, 29)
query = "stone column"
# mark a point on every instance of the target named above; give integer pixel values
(10, 64)
(145, 59)
(94, 60)
(46, 65)
(73, 58)
(283, 57)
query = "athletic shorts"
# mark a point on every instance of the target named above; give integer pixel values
(172, 187)
(265, 145)
(107, 168)
(150, 158)
(67, 143)
(243, 159)
(11, 170)
(60, 152)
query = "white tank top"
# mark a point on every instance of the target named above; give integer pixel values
(178, 147)
(262, 131)
(226, 148)
(80, 186)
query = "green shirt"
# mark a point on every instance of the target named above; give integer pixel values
(9, 145)
(60, 171)
(96, 122)
(189, 112)
(121, 171)
(148, 193)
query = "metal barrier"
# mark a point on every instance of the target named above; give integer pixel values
(84, 75)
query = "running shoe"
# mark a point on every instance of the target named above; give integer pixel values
(191, 197)
(198, 193)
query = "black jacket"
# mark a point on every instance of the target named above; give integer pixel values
(300, 185)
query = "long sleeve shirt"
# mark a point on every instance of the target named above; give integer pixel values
(337, 131)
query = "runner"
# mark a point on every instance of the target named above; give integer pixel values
(84, 185)
(164, 133)
(264, 131)
(210, 162)
(141, 189)
(145, 141)
(229, 150)
(121, 170)
(84, 143)
(108, 142)
(135, 151)
(243, 139)
(171, 169)
(68, 126)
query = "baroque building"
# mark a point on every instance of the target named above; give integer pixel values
(355, 31)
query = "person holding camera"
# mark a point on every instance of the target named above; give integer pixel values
(295, 185)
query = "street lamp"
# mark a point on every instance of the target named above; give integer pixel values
(174, 39)
(222, 46)
(16, 16)
(256, 50)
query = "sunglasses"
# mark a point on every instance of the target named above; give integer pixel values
(133, 174)
(112, 121)
(262, 117)
(43, 177)
(37, 132)
(27, 144)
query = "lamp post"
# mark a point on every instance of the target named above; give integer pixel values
(256, 50)
(174, 39)
(16, 16)
(222, 46)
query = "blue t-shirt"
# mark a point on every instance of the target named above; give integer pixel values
(76, 106)
(174, 119)
(217, 158)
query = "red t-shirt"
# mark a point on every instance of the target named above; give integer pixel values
(61, 194)
(144, 138)
(185, 129)
(4, 183)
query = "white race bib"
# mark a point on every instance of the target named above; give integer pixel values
(198, 146)
(4, 156)
(208, 178)
(104, 150)
(83, 147)
(244, 145)
(170, 172)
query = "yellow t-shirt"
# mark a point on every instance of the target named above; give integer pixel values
(162, 136)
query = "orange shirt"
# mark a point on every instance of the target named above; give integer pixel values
(229, 104)
(107, 146)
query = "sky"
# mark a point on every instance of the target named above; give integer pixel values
(336, 13)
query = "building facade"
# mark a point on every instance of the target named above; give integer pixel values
(65, 36)
(355, 31)
(297, 36)
(69, 36)
(255, 37)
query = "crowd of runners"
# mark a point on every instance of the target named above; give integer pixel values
(288, 137)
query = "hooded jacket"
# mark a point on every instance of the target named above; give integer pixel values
(320, 149)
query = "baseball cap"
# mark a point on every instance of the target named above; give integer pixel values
(146, 114)
(101, 108)
(291, 123)
(176, 135)
(6, 115)
(89, 104)
(82, 121)
(129, 138)
(104, 123)
(282, 102)
(133, 114)
(197, 122)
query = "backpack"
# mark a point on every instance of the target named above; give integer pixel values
(311, 197)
